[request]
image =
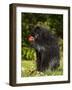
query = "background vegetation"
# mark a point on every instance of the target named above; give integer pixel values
(54, 23)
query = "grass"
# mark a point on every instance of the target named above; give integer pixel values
(28, 69)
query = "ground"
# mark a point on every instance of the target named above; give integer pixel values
(29, 69)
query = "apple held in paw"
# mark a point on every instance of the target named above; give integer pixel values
(30, 38)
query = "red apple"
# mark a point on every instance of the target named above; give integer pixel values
(30, 38)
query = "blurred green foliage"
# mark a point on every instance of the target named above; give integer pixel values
(28, 53)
